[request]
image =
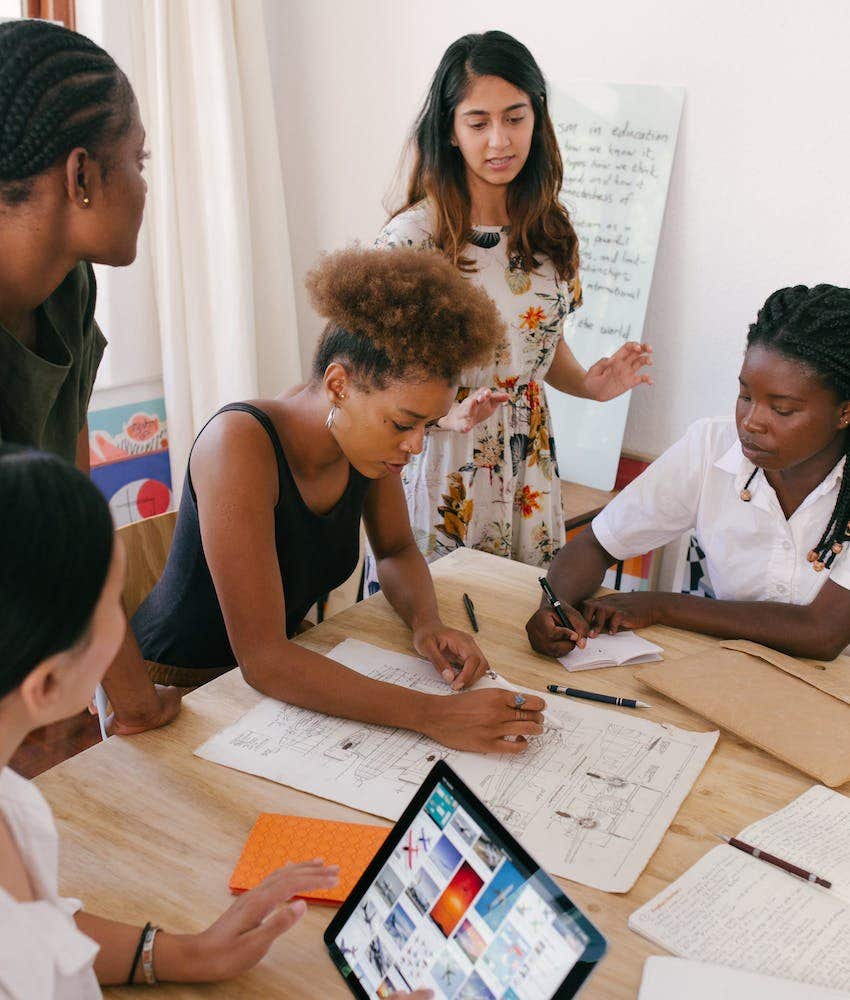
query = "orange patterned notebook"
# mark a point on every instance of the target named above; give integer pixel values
(276, 840)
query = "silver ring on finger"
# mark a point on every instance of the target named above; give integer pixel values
(519, 700)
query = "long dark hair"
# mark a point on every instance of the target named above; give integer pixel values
(539, 222)
(58, 90)
(56, 541)
(812, 325)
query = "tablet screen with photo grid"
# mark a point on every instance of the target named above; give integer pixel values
(452, 902)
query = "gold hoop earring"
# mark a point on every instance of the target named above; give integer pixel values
(330, 421)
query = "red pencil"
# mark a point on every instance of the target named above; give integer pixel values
(771, 859)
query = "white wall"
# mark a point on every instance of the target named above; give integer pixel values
(758, 197)
(126, 307)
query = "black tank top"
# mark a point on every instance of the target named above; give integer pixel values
(180, 623)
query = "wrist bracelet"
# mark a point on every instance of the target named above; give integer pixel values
(138, 954)
(147, 954)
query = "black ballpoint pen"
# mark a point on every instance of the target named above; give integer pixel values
(556, 604)
(470, 611)
(606, 699)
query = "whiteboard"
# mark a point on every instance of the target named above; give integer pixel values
(618, 143)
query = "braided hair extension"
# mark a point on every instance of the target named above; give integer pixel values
(58, 90)
(812, 325)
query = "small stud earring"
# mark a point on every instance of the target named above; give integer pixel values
(86, 201)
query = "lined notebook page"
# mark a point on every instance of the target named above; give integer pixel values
(675, 978)
(812, 832)
(731, 909)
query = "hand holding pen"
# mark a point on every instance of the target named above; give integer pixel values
(555, 629)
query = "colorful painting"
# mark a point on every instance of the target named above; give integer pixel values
(456, 898)
(128, 452)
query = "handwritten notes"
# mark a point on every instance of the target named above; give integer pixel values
(734, 910)
(617, 143)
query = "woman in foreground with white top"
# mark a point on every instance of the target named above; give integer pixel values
(61, 623)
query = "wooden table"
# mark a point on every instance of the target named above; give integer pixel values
(149, 831)
(582, 503)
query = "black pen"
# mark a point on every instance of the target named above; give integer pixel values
(470, 611)
(556, 604)
(606, 699)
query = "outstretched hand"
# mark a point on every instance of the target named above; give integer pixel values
(478, 406)
(247, 929)
(611, 377)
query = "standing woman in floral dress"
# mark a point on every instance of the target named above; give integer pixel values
(484, 191)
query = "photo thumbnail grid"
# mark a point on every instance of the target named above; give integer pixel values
(451, 911)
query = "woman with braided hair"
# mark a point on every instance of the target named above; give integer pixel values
(71, 193)
(768, 497)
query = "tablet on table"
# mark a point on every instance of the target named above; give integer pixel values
(452, 902)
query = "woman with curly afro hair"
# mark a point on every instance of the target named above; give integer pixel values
(276, 488)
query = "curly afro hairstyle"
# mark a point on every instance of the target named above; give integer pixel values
(400, 314)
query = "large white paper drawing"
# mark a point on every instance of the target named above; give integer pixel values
(590, 799)
(617, 142)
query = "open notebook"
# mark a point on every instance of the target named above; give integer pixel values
(732, 909)
(624, 648)
(677, 978)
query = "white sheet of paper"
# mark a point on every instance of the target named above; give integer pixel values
(617, 142)
(813, 832)
(675, 978)
(734, 910)
(580, 827)
(605, 650)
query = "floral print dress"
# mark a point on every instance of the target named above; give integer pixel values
(495, 488)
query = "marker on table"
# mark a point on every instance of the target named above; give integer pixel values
(771, 859)
(606, 699)
(470, 612)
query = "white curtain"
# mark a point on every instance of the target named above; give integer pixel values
(216, 213)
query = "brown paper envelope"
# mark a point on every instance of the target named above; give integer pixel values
(781, 714)
(831, 676)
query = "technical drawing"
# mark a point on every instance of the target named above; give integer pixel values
(590, 798)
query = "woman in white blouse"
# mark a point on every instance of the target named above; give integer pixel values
(61, 576)
(768, 495)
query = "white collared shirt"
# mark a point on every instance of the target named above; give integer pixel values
(43, 956)
(752, 552)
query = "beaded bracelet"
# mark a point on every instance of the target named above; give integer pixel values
(138, 954)
(147, 955)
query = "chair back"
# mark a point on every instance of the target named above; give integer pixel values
(147, 543)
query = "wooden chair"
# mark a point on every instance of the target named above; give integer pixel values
(147, 543)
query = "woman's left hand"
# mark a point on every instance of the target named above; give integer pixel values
(455, 654)
(611, 377)
(615, 612)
